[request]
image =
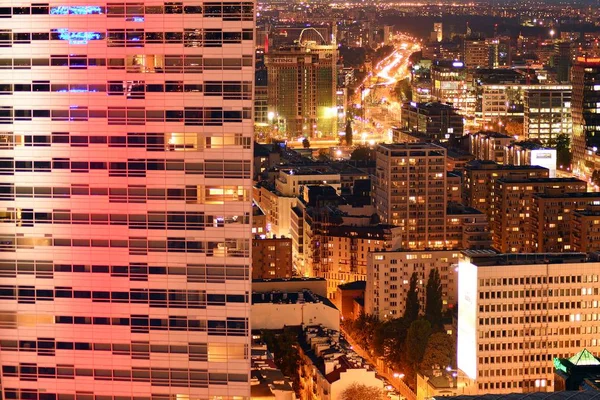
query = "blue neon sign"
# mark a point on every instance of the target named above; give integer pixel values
(77, 37)
(76, 10)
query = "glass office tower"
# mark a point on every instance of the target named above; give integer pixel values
(125, 156)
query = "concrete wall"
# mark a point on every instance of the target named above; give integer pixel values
(276, 316)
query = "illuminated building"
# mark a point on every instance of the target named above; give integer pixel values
(480, 178)
(388, 277)
(547, 113)
(302, 89)
(449, 85)
(584, 108)
(435, 121)
(477, 53)
(552, 221)
(585, 233)
(488, 145)
(517, 312)
(531, 153)
(125, 159)
(438, 33)
(271, 258)
(410, 192)
(511, 225)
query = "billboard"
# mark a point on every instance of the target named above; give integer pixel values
(545, 158)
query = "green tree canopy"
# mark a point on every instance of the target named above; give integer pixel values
(357, 391)
(416, 341)
(440, 352)
(433, 299)
(411, 312)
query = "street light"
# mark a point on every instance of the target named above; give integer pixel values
(398, 375)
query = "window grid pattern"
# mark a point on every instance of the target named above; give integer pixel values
(125, 181)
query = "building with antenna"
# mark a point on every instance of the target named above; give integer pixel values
(302, 99)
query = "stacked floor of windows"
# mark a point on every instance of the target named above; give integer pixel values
(125, 178)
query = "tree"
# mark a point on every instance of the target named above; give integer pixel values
(306, 143)
(563, 150)
(357, 391)
(349, 132)
(323, 155)
(411, 312)
(416, 342)
(433, 299)
(513, 128)
(362, 153)
(440, 352)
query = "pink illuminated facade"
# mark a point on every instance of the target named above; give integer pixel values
(125, 155)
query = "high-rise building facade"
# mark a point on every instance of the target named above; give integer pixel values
(125, 178)
(517, 312)
(547, 113)
(586, 119)
(302, 98)
(410, 192)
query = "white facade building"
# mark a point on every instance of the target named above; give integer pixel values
(517, 312)
(388, 277)
(125, 179)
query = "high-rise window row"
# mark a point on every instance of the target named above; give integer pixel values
(125, 173)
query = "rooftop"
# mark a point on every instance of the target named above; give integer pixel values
(492, 134)
(489, 258)
(569, 395)
(541, 180)
(290, 280)
(300, 297)
(491, 165)
(571, 195)
(531, 145)
(357, 285)
(430, 106)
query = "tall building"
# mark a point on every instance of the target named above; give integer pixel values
(476, 53)
(125, 164)
(547, 113)
(436, 121)
(586, 121)
(563, 60)
(449, 85)
(517, 312)
(480, 179)
(438, 32)
(552, 225)
(410, 192)
(302, 89)
(513, 199)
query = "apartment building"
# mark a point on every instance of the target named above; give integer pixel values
(585, 233)
(517, 312)
(410, 192)
(552, 220)
(272, 258)
(512, 223)
(480, 179)
(388, 277)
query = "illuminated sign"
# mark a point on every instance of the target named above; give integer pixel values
(545, 158)
(458, 64)
(76, 10)
(78, 37)
(595, 60)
